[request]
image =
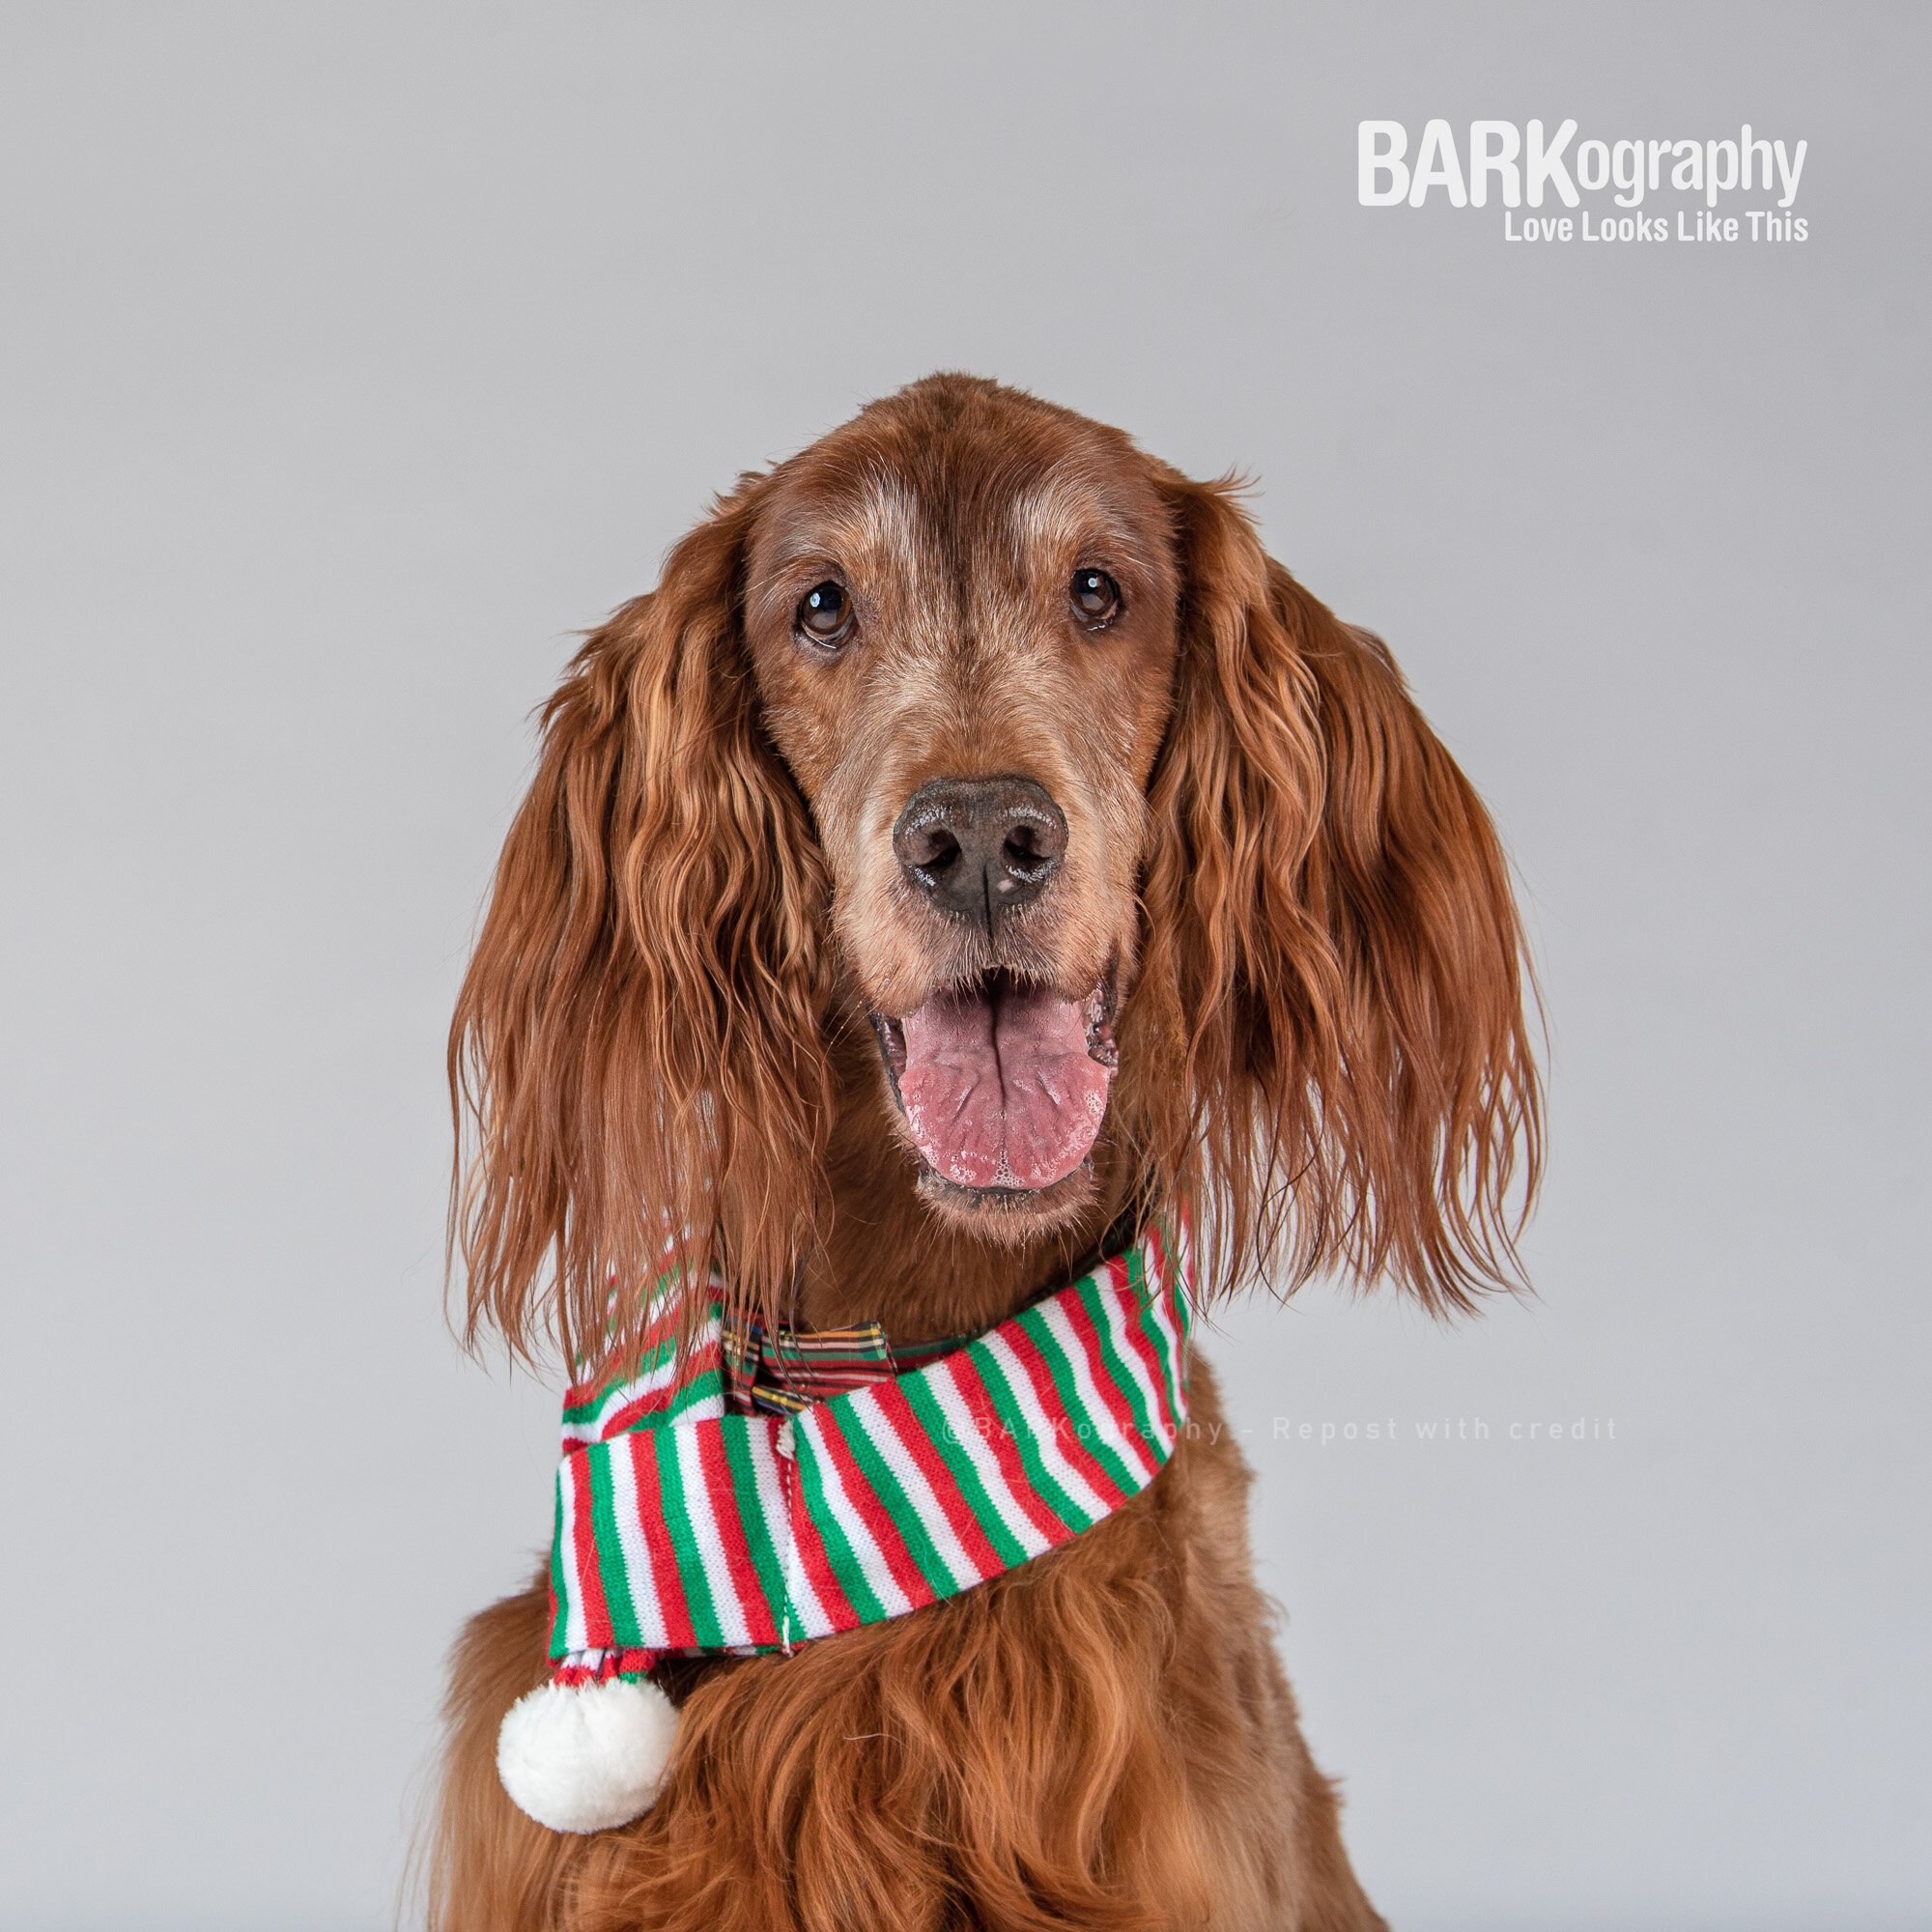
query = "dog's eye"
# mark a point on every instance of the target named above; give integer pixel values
(825, 613)
(1096, 597)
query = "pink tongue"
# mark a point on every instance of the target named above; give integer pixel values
(1001, 1092)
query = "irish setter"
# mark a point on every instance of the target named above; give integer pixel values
(975, 835)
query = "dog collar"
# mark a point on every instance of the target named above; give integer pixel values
(683, 1528)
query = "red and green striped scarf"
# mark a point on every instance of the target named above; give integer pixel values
(771, 1490)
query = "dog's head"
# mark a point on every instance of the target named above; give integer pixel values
(961, 617)
(975, 734)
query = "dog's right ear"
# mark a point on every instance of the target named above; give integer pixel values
(638, 1044)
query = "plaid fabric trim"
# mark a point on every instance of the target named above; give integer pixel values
(786, 1371)
(684, 1526)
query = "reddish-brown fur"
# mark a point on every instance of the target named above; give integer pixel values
(1322, 1042)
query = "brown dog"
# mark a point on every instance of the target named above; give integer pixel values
(976, 836)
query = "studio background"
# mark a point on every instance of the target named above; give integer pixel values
(359, 356)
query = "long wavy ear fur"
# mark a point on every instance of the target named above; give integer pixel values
(1333, 946)
(638, 1048)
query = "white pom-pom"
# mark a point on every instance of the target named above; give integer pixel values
(584, 1758)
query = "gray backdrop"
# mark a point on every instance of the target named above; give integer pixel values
(357, 356)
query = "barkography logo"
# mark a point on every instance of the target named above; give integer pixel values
(1523, 167)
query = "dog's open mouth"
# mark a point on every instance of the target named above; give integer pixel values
(1004, 1084)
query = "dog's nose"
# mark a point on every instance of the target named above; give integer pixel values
(980, 848)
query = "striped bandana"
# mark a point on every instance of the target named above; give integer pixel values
(781, 1488)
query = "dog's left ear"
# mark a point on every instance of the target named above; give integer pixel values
(1331, 936)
